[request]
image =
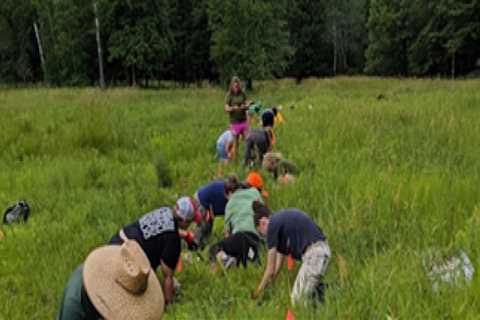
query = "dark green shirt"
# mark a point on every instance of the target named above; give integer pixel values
(284, 167)
(235, 100)
(75, 303)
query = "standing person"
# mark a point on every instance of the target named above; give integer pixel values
(236, 106)
(241, 242)
(225, 150)
(115, 282)
(213, 198)
(292, 231)
(157, 232)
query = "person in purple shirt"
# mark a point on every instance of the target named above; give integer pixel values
(292, 231)
(213, 198)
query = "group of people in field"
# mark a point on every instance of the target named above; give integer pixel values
(118, 280)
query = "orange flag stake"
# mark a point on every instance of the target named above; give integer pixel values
(180, 265)
(290, 263)
(290, 315)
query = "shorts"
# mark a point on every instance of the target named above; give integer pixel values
(243, 246)
(240, 128)
(222, 152)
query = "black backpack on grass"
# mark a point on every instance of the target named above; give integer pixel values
(16, 213)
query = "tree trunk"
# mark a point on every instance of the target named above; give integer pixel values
(40, 51)
(334, 50)
(453, 65)
(134, 77)
(99, 47)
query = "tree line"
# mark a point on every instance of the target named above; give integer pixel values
(64, 42)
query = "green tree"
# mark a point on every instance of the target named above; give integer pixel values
(449, 40)
(190, 60)
(19, 61)
(386, 53)
(307, 25)
(347, 34)
(249, 38)
(140, 36)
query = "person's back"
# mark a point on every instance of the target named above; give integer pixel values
(212, 196)
(239, 211)
(157, 234)
(225, 138)
(291, 231)
(285, 167)
(258, 143)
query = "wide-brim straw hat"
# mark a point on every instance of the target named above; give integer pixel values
(121, 284)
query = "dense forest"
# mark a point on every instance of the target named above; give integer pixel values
(61, 42)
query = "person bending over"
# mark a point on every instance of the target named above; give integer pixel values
(114, 282)
(213, 198)
(292, 231)
(283, 170)
(225, 150)
(157, 233)
(241, 241)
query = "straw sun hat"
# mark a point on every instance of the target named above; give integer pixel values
(120, 283)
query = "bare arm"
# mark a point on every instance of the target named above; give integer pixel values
(279, 263)
(268, 275)
(168, 286)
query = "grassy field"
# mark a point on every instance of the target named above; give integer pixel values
(390, 170)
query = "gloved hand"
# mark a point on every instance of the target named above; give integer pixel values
(193, 246)
(190, 240)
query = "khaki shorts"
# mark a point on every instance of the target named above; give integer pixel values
(314, 265)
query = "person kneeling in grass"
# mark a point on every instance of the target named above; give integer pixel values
(115, 282)
(282, 170)
(260, 141)
(225, 150)
(157, 233)
(212, 199)
(292, 231)
(241, 242)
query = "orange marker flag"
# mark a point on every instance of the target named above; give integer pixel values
(290, 263)
(180, 265)
(290, 315)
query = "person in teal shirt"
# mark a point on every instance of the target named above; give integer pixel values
(242, 241)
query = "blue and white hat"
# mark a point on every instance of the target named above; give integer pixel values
(188, 209)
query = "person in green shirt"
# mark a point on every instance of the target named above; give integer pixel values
(241, 242)
(115, 282)
(282, 170)
(236, 106)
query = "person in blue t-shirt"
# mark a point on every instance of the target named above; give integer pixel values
(213, 198)
(293, 232)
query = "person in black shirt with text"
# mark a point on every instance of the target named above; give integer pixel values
(157, 233)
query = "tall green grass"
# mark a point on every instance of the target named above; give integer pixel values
(390, 171)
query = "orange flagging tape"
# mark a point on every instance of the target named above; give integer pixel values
(290, 263)
(180, 265)
(290, 315)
